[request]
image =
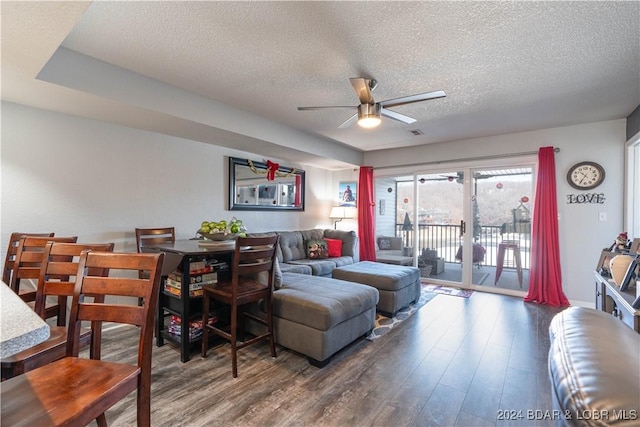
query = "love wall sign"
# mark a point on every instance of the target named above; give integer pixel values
(593, 198)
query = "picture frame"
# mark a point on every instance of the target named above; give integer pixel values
(347, 193)
(603, 263)
(636, 303)
(251, 188)
(630, 276)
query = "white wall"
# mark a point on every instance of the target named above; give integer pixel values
(582, 235)
(99, 181)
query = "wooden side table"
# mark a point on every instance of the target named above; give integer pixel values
(185, 307)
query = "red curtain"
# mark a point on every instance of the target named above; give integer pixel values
(366, 218)
(545, 285)
(297, 202)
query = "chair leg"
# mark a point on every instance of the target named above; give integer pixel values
(233, 332)
(144, 404)
(241, 324)
(205, 322)
(272, 339)
(101, 420)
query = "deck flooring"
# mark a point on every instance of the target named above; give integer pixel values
(484, 277)
(456, 362)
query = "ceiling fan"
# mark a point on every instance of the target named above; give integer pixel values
(370, 112)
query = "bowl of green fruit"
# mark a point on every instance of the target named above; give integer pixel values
(222, 230)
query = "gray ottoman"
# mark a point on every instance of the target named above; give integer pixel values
(318, 316)
(397, 285)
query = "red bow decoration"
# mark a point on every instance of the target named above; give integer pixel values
(272, 168)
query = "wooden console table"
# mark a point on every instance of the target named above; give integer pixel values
(610, 299)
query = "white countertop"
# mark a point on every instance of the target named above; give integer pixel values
(20, 326)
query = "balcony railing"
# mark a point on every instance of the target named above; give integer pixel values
(446, 240)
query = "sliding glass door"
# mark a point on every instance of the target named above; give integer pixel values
(427, 211)
(467, 227)
(501, 206)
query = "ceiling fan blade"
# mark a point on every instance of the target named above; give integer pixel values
(351, 120)
(397, 116)
(361, 86)
(390, 103)
(324, 108)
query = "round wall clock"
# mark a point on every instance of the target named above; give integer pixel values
(585, 175)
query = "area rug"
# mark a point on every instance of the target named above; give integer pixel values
(385, 324)
(445, 290)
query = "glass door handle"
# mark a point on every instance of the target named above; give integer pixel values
(463, 226)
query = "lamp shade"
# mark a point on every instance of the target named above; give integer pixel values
(342, 212)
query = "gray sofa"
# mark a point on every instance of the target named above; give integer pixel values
(292, 251)
(594, 369)
(314, 314)
(391, 250)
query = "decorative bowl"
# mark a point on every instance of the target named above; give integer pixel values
(219, 236)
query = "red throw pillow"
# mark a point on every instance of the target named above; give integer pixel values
(335, 247)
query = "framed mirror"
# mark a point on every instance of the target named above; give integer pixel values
(264, 186)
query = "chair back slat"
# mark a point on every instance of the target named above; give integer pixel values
(12, 249)
(255, 267)
(120, 286)
(121, 266)
(94, 312)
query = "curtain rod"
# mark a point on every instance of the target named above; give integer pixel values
(465, 159)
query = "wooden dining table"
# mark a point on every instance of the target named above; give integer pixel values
(20, 327)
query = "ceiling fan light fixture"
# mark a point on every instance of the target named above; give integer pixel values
(369, 115)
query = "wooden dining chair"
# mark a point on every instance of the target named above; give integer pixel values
(76, 390)
(154, 236)
(57, 278)
(253, 258)
(12, 248)
(29, 256)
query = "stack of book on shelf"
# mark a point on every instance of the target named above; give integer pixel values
(201, 273)
(195, 327)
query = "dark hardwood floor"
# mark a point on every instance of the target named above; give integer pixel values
(456, 361)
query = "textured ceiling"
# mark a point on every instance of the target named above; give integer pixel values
(505, 66)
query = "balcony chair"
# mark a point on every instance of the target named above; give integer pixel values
(12, 248)
(56, 278)
(76, 390)
(29, 256)
(253, 257)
